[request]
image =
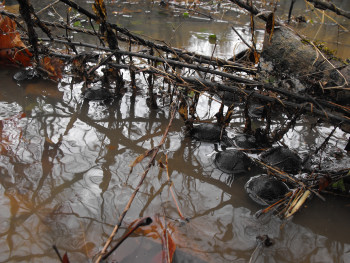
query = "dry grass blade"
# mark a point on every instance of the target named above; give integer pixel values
(279, 202)
(270, 25)
(300, 201)
(324, 57)
(171, 189)
(345, 108)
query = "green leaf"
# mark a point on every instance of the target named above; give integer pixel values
(339, 185)
(77, 23)
(137, 22)
(191, 94)
(212, 39)
(186, 15)
(139, 32)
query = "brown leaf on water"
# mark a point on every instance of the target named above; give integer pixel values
(111, 147)
(88, 248)
(10, 6)
(228, 115)
(252, 24)
(127, 11)
(324, 182)
(12, 49)
(161, 165)
(270, 25)
(169, 247)
(183, 111)
(158, 232)
(256, 57)
(65, 258)
(53, 66)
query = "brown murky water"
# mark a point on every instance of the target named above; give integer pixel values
(64, 166)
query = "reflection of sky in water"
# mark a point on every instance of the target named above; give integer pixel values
(228, 43)
(8, 110)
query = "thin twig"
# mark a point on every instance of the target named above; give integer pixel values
(148, 167)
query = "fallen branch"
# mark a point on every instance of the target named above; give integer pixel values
(168, 61)
(323, 5)
(188, 56)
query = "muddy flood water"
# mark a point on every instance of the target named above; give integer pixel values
(65, 162)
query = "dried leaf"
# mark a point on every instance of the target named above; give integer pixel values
(228, 115)
(183, 111)
(256, 57)
(270, 25)
(159, 233)
(252, 25)
(111, 147)
(141, 157)
(161, 165)
(65, 258)
(12, 49)
(53, 66)
(169, 247)
(99, 9)
(220, 116)
(88, 248)
(127, 11)
(324, 182)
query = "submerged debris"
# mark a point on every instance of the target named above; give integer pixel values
(265, 240)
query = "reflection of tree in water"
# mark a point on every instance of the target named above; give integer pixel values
(70, 192)
(36, 191)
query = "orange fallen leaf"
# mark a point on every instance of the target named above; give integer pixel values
(157, 231)
(270, 24)
(324, 182)
(12, 49)
(53, 66)
(65, 258)
(111, 147)
(127, 11)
